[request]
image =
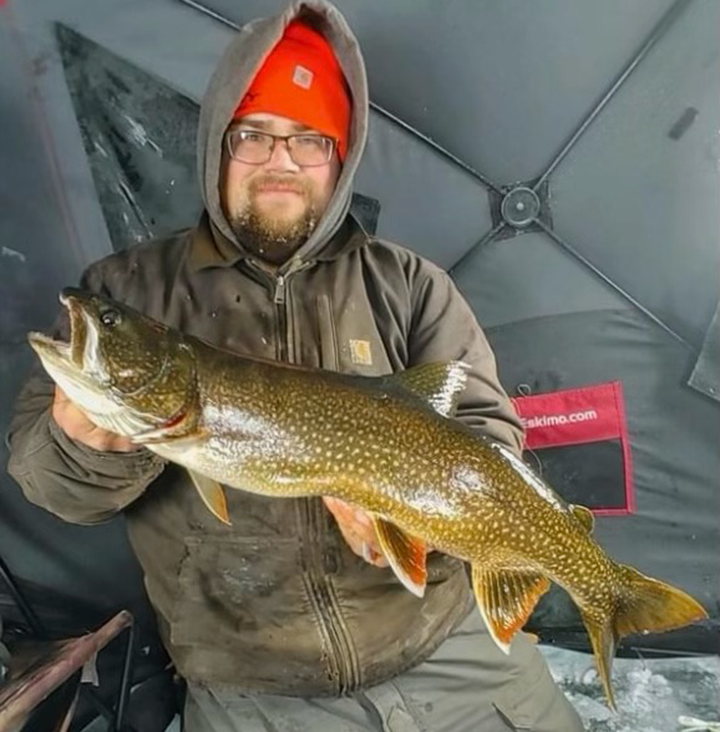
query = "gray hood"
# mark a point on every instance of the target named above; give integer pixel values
(231, 79)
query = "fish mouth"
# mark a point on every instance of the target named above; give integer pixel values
(68, 355)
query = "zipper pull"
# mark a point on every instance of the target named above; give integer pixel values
(280, 284)
(281, 280)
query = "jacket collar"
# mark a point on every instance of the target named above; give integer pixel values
(209, 248)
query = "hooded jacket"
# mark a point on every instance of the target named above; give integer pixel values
(277, 603)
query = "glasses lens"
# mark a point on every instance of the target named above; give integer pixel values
(310, 149)
(250, 147)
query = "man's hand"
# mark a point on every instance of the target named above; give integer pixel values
(76, 425)
(357, 530)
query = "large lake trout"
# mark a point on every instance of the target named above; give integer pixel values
(386, 444)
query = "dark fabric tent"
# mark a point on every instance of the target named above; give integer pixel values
(560, 160)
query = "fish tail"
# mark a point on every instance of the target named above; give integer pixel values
(647, 604)
(643, 604)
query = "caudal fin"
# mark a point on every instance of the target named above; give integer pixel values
(643, 605)
(650, 605)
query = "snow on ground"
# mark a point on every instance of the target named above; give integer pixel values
(652, 695)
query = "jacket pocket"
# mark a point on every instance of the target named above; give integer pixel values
(329, 358)
(236, 586)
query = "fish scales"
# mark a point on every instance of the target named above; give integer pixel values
(389, 445)
(322, 430)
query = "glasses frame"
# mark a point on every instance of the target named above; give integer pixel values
(279, 138)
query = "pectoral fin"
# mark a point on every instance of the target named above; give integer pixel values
(212, 495)
(506, 597)
(405, 553)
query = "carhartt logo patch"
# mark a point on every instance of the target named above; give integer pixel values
(302, 77)
(360, 352)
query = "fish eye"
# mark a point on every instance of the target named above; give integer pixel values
(110, 318)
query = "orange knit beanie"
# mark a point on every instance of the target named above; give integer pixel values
(302, 79)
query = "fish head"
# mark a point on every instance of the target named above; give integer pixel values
(117, 363)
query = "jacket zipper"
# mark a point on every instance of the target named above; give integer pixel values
(344, 663)
(281, 312)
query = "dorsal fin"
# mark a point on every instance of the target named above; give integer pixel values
(584, 516)
(439, 384)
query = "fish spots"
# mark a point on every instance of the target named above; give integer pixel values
(530, 478)
(288, 433)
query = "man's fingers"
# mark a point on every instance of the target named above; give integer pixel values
(371, 555)
(348, 514)
(60, 396)
(340, 509)
(78, 426)
(357, 530)
(362, 519)
(354, 522)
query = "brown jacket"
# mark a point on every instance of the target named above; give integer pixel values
(277, 603)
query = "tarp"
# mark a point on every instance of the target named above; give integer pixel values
(560, 160)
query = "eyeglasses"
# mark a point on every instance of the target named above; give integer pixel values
(256, 148)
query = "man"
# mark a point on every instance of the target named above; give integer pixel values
(278, 622)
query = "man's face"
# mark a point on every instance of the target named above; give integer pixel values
(273, 207)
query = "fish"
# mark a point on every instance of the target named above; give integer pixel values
(390, 445)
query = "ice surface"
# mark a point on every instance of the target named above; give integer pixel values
(652, 695)
(655, 695)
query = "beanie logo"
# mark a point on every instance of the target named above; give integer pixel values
(302, 77)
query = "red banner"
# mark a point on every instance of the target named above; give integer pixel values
(575, 417)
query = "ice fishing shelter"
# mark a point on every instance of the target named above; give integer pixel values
(560, 159)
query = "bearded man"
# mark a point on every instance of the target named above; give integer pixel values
(290, 618)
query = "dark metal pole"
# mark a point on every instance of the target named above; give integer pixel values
(656, 34)
(489, 236)
(124, 691)
(576, 254)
